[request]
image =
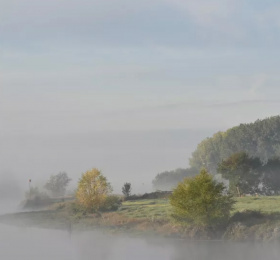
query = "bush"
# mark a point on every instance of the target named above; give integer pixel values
(152, 195)
(35, 199)
(201, 201)
(111, 203)
(35, 193)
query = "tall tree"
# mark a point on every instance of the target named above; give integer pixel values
(243, 172)
(271, 177)
(259, 139)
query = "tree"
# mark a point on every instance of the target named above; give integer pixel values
(243, 172)
(200, 201)
(93, 189)
(126, 189)
(57, 184)
(271, 177)
(259, 139)
(168, 180)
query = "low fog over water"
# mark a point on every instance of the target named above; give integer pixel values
(33, 244)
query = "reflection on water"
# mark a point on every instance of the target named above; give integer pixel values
(33, 244)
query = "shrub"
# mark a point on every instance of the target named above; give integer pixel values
(201, 201)
(111, 203)
(35, 199)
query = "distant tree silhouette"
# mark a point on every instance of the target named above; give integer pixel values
(126, 189)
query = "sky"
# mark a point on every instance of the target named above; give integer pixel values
(85, 70)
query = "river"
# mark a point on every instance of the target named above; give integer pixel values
(42, 244)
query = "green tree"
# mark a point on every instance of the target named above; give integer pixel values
(243, 172)
(271, 177)
(259, 139)
(93, 190)
(201, 201)
(126, 189)
(57, 184)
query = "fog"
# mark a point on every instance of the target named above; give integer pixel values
(131, 88)
(32, 244)
(122, 156)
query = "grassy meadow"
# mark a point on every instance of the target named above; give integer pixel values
(160, 208)
(265, 204)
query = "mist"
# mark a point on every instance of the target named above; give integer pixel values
(122, 156)
(130, 88)
(32, 244)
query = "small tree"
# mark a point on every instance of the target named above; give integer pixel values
(93, 189)
(57, 184)
(201, 201)
(126, 189)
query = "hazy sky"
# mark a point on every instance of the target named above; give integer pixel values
(75, 67)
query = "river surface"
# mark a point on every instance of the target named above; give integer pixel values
(42, 244)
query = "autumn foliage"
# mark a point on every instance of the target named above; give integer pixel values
(93, 189)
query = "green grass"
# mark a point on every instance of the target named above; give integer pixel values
(264, 204)
(151, 208)
(160, 208)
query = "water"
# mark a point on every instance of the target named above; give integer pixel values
(33, 244)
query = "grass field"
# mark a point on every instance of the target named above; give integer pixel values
(160, 208)
(151, 208)
(263, 203)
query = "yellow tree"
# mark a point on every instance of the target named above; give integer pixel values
(93, 189)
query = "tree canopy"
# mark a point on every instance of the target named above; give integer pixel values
(201, 201)
(243, 172)
(271, 177)
(259, 139)
(249, 175)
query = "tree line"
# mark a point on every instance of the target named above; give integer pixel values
(259, 139)
(249, 175)
(247, 156)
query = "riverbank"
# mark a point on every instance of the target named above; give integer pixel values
(253, 218)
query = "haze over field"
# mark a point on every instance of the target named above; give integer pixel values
(129, 87)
